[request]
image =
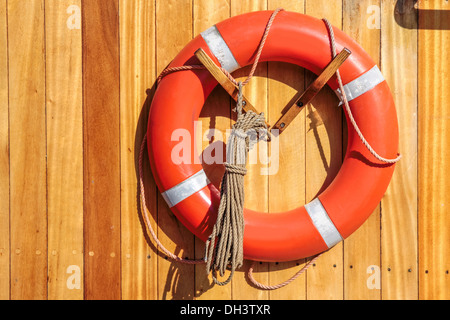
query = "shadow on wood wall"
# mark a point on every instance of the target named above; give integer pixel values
(406, 14)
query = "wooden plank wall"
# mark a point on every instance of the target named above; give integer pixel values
(76, 82)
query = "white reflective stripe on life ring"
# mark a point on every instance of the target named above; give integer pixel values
(185, 189)
(362, 84)
(323, 223)
(220, 49)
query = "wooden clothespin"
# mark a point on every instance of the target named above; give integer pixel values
(223, 80)
(302, 99)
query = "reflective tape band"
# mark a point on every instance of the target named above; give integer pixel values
(323, 223)
(220, 49)
(362, 84)
(185, 189)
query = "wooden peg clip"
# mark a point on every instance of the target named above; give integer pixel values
(302, 99)
(223, 80)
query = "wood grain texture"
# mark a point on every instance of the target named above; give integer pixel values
(287, 184)
(323, 159)
(434, 139)
(64, 149)
(76, 83)
(362, 248)
(175, 280)
(137, 76)
(4, 157)
(28, 222)
(399, 204)
(101, 149)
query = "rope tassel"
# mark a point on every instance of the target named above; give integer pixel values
(224, 247)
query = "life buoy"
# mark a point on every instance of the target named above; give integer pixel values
(361, 181)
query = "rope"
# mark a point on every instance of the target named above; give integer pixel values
(347, 106)
(168, 71)
(224, 246)
(262, 43)
(258, 54)
(283, 284)
(146, 214)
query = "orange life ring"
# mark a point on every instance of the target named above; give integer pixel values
(356, 190)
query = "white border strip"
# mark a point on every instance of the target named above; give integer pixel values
(220, 49)
(362, 84)
(323, 223)
(185, 189)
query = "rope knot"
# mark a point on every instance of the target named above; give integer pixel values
(235, 169)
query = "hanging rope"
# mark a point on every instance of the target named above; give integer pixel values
(347, 106)
(283, 284)
(146, 213)
(224, 247)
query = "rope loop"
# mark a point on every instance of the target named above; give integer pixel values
(235, 169)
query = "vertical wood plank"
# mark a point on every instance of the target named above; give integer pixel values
(137, 75)
(101, 149)
(362, 249)
(64, 148)
(4, 157)
(27, 149)
(434, 139)
(175, 280)
(287, 186)
(323, 160)
(399, 205)
(256, 184)
(215, 118)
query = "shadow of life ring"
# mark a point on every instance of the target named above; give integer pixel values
(362, 179)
